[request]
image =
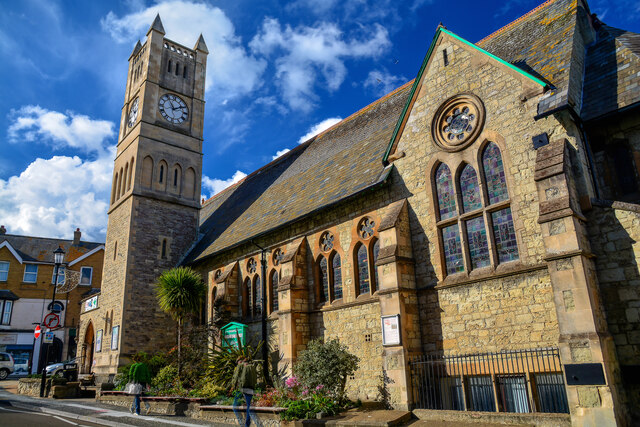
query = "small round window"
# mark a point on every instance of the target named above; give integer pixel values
(458, 122)
(326, 241)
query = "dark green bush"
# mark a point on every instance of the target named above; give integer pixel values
(326, 364)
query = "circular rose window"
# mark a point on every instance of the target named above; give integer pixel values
(458, 122)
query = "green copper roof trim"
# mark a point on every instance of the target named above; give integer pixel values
(441, 29)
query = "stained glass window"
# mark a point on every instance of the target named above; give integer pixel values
(337, 277)
(326, 241)
(258, 287)
(470, 189)
(452, 249)
(274, 291)
(248, 293)
(363, 270)
(478, 247)
(324, 279)
(446, 195)
(494, 174)
(505, 235)
(376, 249)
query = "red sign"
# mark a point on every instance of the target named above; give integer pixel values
(36, 332)
(51, 321)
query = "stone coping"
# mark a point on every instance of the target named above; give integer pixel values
(271, 409)
(530, 419)
(156, 398)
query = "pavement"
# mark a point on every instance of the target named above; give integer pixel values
(27, 411)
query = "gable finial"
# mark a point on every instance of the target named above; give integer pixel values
(201, 45)
(157, 25)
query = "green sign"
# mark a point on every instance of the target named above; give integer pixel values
(232, 332)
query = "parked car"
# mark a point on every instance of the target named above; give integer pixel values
(6, 365)
(57, 368)
(21, 366)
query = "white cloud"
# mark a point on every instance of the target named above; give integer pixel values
(280, 153)
(52, 197)
(382, 82)
(216, 185)
(319, 127)
(230, 70)
(34, 123)
(306, 52)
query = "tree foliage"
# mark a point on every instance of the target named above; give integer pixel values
(327, 364)
(223, 360)
(180, 293)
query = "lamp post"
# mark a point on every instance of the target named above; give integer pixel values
(263, 284)
(58, 257)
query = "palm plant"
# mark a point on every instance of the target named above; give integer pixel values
(180, 293)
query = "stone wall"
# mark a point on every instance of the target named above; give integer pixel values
(615, 240)
(515, 312)
(358, 327)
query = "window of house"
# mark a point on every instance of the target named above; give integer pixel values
(551, 393)
(323, 279)
(6, 306)
(480, 389)
(274, 291)
(60, 276)
(4, 271)
(85, 276)
(30, 273)
(247, 304)
(161, 174)
(475, 220)
(512, 392)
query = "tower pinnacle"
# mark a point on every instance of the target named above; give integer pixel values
(157, 25)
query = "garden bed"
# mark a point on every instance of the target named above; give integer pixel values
(269, 416)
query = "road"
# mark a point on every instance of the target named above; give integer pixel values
(11, 416)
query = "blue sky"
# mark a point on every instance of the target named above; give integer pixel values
(278, 72)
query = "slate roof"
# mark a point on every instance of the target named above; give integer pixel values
(612, 79)
(40, 249)
(330, 167)
(541, 43)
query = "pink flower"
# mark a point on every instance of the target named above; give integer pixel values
(320, 387)
(292, 382)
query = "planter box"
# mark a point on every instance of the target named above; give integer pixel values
(224, 414)
(158, 405)
(29, 386)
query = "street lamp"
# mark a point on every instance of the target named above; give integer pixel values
(58, 258)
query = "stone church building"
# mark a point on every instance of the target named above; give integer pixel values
(472, 236)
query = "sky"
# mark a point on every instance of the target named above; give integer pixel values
(278, 73)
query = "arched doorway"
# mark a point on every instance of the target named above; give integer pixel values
(87, 350)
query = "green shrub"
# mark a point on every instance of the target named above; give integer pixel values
(207, 390)
(326, 364)
(223, 361)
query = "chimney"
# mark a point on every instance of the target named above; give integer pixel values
(76, 237)
(3, 230)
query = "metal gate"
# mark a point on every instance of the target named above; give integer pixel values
(508, 381)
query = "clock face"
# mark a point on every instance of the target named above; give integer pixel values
(133, 113)
(173, 109)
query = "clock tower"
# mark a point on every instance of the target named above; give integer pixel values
(155, 196)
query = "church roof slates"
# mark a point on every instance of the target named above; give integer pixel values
(306, 179)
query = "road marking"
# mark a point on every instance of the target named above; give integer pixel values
(66, 421)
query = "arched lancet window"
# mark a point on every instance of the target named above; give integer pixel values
(469, 189)
(113, 188)
(214, 294)
(130, 175)
(323, 279)
(124, 181)
(147, 171)
(189, 187)
(119, 190)
(161, 176)
(169, 67)
(175, 177)
(488, 233)
(184, 72)
(374, 251)
(163, 251)
(336, 264)
(364, 285)
(496, 183)
(177, 68)
(445, 191)
(247, 295)
(257, 285)
(274, 291)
